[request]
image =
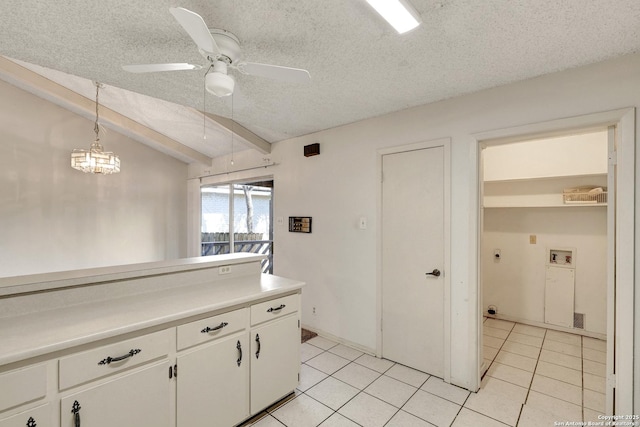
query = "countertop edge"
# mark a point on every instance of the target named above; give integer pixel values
(287, 286)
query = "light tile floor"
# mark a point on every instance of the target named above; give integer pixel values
(534, 377)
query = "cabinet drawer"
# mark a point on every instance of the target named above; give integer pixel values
(40, 415)
(274, 308)
(22, 386)
(109, 359)
(212, 328)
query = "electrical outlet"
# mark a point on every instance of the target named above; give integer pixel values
(314, 311)
(224, 269)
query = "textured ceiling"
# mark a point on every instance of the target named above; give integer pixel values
(359, 66)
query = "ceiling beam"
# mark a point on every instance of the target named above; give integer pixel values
(60, 95)
(251, 138)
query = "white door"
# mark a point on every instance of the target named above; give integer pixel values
(137, 399)
(275, 361)
(213, 384)
(413, 258)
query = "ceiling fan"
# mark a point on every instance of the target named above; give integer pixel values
(222, 51)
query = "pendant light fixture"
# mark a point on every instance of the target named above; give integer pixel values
(95, 159)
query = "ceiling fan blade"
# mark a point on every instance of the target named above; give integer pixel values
(195, 26)
(152, 68)
(275, 72)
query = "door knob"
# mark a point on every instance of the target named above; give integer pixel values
(435, 272)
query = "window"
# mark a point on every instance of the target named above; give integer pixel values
(237, 218)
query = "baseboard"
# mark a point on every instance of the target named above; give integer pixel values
(337, 339)
(548, 326)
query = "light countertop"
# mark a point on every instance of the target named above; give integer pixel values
(36, 334)
(62, 279)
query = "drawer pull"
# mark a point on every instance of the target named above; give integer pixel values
(259, 345)
(239, 347)
(215, 328)
(75, 410)
(272, 309)
(110, 359)
(31, 422)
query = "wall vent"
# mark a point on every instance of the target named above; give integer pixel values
(578, 320)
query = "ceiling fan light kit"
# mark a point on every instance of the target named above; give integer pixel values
(398, 13)
(219, 84)
(222, 51)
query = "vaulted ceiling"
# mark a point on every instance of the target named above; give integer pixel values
(360, 67)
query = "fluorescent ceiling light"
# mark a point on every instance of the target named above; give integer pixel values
(398, 13)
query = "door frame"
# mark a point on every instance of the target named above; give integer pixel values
(623, 354)
(445, 143)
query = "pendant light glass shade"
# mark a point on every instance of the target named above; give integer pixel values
(95, 159)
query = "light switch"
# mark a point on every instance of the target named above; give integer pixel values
(280, 220)
(363, 223)
(532, 239)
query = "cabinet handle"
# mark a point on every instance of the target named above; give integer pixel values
(272, 309)
(258, 341)
(75, 410)
(239, 347)
(110, 359)
(31, 422)
(215, 328)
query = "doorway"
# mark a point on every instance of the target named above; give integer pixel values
(414, 288)
(620, 125)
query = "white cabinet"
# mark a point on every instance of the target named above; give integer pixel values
(19, 389)
(215, 371)
(121, 384)
(39, 416)
(234, 373)
(140, 398)
(213, 378)
(275, 361)
(275, 350)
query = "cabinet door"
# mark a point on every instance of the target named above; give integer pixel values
(141, 398)
(40, 417)
(275, 361)
(213, 383)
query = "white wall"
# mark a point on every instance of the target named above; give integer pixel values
(55, 218)
(581, 154)
(338, 261)
(515, 283)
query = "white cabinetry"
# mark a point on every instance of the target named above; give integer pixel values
(275, 350)
(170, 347)
(119, 386)
(39, 416)
(222, 376)
(19, 389)
(213, 380)
(141, 398)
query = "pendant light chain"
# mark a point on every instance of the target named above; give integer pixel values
(232, 131)
(96, 128)
(204, 104)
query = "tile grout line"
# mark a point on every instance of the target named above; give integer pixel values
(544, 336)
